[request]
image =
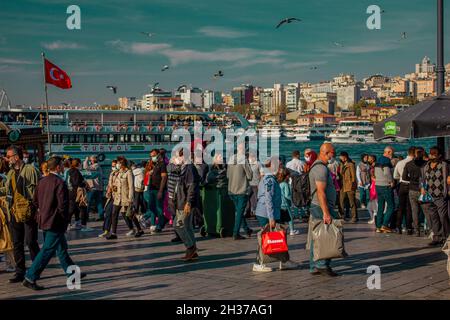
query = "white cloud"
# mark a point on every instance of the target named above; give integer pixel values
(221, 32)
(181, 56)
(140, 48)
(61, 45)
(240, 56)
(7, 61)
(295, 65)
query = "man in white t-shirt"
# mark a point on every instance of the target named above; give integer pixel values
(295, 164)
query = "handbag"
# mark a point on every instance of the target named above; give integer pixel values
(274, 242)
(328, 239)
(21, 207)
(269, 258)
(6, 243)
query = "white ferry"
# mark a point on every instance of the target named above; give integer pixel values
(79, 133)
(314, 133)
(353, 132)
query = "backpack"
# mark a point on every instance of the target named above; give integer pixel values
(301, 188)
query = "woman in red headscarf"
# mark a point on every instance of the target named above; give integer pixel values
(310, 158)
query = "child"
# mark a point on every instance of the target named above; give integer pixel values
(287, 213)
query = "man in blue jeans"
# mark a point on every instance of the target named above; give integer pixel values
(323, 202)
(384, 182)
(51, 200)
(239, 174)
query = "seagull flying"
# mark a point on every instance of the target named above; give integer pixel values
(154, 86)
(218, 74)
(403, 35)
(338, 44)
(165, 68)
(148, 34)
(287, 20)
(113, 88)
(313, 68)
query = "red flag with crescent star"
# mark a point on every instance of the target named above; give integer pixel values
(56, 76)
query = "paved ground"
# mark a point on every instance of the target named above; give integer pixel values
(150, 268)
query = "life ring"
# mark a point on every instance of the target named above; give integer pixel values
(101, 157)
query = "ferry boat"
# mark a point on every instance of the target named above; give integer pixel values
(353, 132)
(314, 133)
(80, 133)
(270, 131)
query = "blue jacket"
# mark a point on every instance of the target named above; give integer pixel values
(286, 196)
(269, 198)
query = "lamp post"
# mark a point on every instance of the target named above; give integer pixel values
(440, 70)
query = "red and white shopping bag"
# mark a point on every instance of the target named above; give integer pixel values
(274, 242)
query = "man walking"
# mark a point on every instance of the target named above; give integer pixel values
(322, 205)
(156, 192)
(403, 193)
(94, 180)
(20, 186)
(239, 174)
(52, 202)
(186, 196)
(384, 182)
(348, 188)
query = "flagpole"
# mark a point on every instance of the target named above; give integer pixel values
(46, 107)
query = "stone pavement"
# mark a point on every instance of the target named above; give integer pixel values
(150, 268)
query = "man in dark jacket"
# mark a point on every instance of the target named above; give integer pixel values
(52, 201)
(187, 190)
(412, 174)
(348, 188)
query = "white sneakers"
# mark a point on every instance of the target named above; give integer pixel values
(131, 233)
(294, 232)
(152, 228)
(371, 221)
(261, 268)
(288, 265)
(104, 234)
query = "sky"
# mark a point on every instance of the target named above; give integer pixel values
(199, 37)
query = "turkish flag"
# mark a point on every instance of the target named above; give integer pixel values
(56, 76)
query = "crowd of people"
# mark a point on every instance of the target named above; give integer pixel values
(403, 195)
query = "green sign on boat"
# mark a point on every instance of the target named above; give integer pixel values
(390, 128)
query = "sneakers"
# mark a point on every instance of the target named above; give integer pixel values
(131, 233)
(363, 206)
(378, 230)
(294, 232)
(86, 229)
(372, 221)
(261, 268)
(104, 234)
(155, 231)
(288, 265)
(10, 269)
(111, 236)
(76, 226)
(328, 272)
(249, 232)
(386, 230)
(139, 234)
(152, 228)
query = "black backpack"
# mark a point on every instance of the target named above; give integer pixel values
(301, 188)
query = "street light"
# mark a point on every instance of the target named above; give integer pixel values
(440, 70)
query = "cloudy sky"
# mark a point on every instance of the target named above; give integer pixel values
(199, 37)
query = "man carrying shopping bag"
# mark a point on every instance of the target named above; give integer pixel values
(323, 195)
